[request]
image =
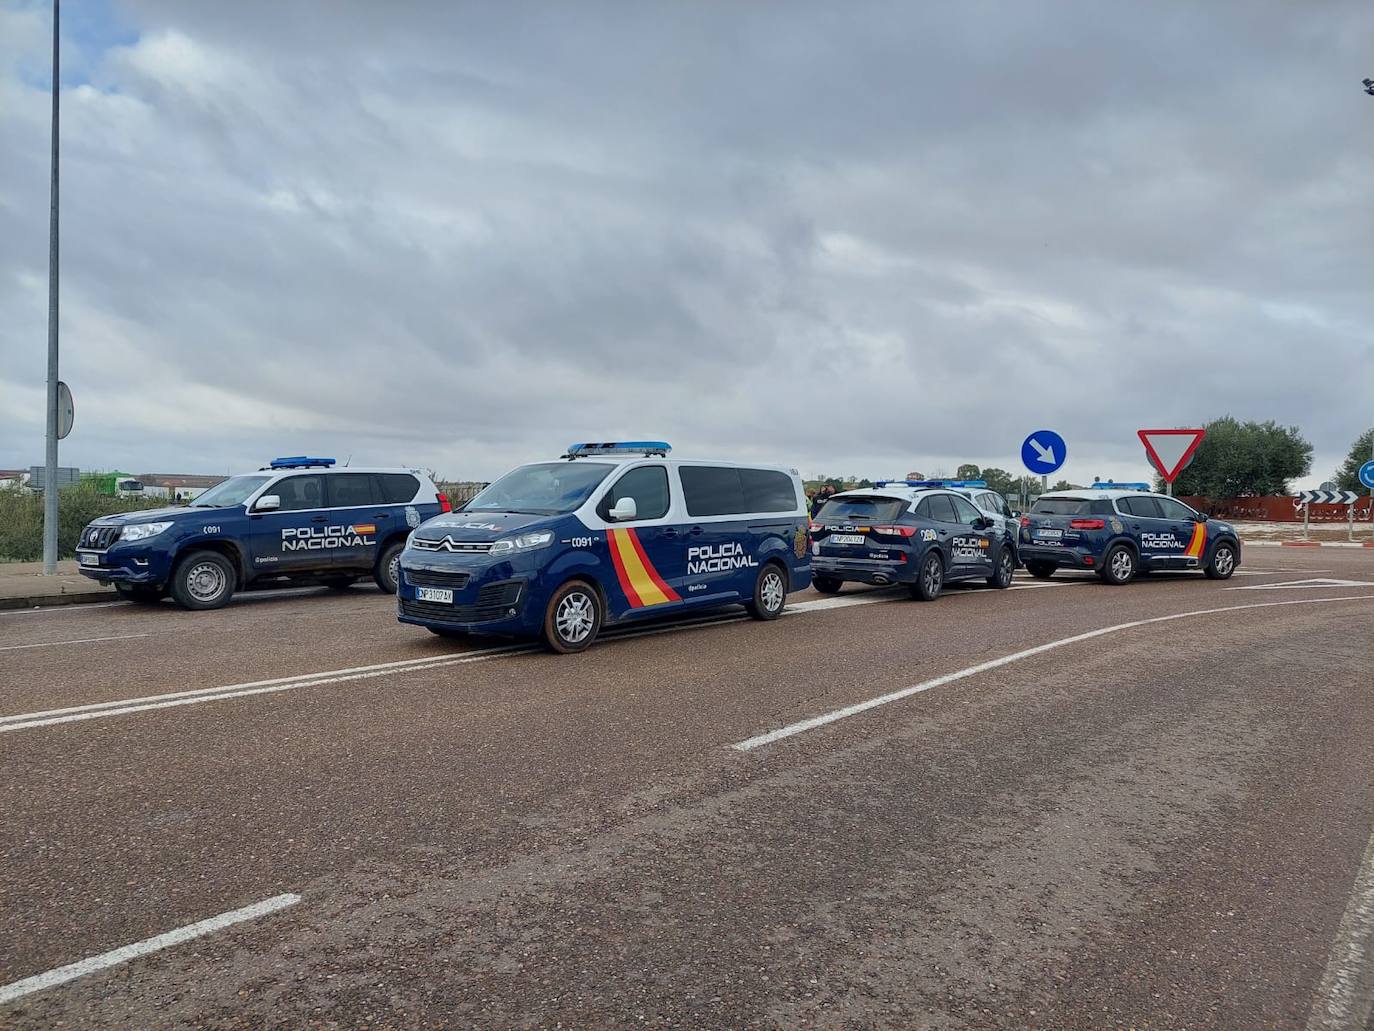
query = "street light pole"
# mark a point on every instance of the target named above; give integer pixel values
(50, 469)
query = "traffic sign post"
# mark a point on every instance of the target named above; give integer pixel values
(1170, 451)
(1367, 478)
(1308, 498)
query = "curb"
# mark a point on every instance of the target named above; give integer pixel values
(38, 601)
(1307, 544)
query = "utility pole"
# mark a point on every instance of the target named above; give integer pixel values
(50, 473)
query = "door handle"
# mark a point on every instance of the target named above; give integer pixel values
(381, 515)
(696, 531)
(320, 519)
(669, 533)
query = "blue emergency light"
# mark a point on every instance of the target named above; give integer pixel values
(1109, 485)
(933, 483)
(301, 462)
(659, 448)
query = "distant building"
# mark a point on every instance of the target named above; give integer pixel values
(176, 486)
(13, 477)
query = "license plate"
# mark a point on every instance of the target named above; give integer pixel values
(90, 560)
(846, 538)
(434, 594)
(1049, 535)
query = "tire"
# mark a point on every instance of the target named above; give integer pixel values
(204, 580)
(1223, 562)
(1041, 570)
(1119, 566)
(338, 583)
(930, 581)
(388, 569)
(1003, 569)
(139, 595)
(827, 584)
(573, 618)
(770, 593)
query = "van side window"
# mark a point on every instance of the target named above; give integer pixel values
(648, 485)
(350, 490)
(767, 490)
(711, 490)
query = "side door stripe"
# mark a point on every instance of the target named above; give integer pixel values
(638, 578)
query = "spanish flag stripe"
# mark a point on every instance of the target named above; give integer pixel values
(621, 575)
(668, 593)
(365, 528)
(639, 585)
(1198, 542)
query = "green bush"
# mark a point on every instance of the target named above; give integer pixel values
(21, 518)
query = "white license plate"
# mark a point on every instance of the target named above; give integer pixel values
(846, 538)
(434, 594)
(90, 560)
(1049, 535)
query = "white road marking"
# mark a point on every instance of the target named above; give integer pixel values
(1345, 998)
(70, 607)
(803, 726)
(1314, 584)
(79, 640)
(60, 975)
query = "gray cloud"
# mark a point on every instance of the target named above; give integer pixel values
(849, 238)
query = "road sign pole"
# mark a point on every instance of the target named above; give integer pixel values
(50, 485)
(1306, 511)
(1350, 511)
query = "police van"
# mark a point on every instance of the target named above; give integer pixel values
(1123, 530)
(919, 533)
(611, 533)
(297, 519)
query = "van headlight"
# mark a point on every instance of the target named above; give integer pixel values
(525, 542)
(142, 531)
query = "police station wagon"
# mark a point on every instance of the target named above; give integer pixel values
(297, 519)
(611, 533)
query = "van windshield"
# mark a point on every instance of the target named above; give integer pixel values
(861, 510)
(548, 488)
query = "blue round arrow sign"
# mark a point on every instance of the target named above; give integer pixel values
(1044, 452)
(1367, 474)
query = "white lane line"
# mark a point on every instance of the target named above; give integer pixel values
(79, 640)
(71, 607)
(803, 726)
(60, 975)
(1345, 998)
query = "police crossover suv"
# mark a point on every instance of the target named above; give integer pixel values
(914, 532)
(611, 533)
(1121, 530)
(297, 519)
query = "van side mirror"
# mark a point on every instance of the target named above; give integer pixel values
(267, 503)
(624, 509)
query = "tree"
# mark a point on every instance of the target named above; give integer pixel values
(1244, 459)
(968, 471)
(1066, 485)
(1348, 475)
(998, 480)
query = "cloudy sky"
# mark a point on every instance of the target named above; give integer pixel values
(860, 238)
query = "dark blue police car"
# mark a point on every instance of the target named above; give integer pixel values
(1122, 530)
(298, 519)
(611, 533)
(920, 533)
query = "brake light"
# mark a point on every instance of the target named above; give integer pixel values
(1087, 524)
(1025, 520)
(896, 531)
(444, 504)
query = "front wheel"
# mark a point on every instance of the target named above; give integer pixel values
(573, 618)
(931, 579)
(827, 584)
(1118, 566)
(770, 593)
(388, 571)
(1041, 570)
(1223, 563)
(204, 580)
(1003, 570)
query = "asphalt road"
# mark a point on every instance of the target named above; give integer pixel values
(1164, 825)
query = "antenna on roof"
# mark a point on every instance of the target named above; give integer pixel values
(348, 459)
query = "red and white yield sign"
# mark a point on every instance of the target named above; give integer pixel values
(1170, 451)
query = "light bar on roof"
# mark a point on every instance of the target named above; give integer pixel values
(301, 462)
(1109, 485)
(933, 483)
(658, 448)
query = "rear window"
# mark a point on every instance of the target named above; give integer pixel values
(396, 488)
(767, 490)
(861, 510)
(1060, 506)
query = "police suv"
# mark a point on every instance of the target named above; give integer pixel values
(914, 532)
(1122, 530)
(611, 533)
(295, 519)
(992, 505)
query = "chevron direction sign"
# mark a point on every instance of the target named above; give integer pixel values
(1327, 497)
